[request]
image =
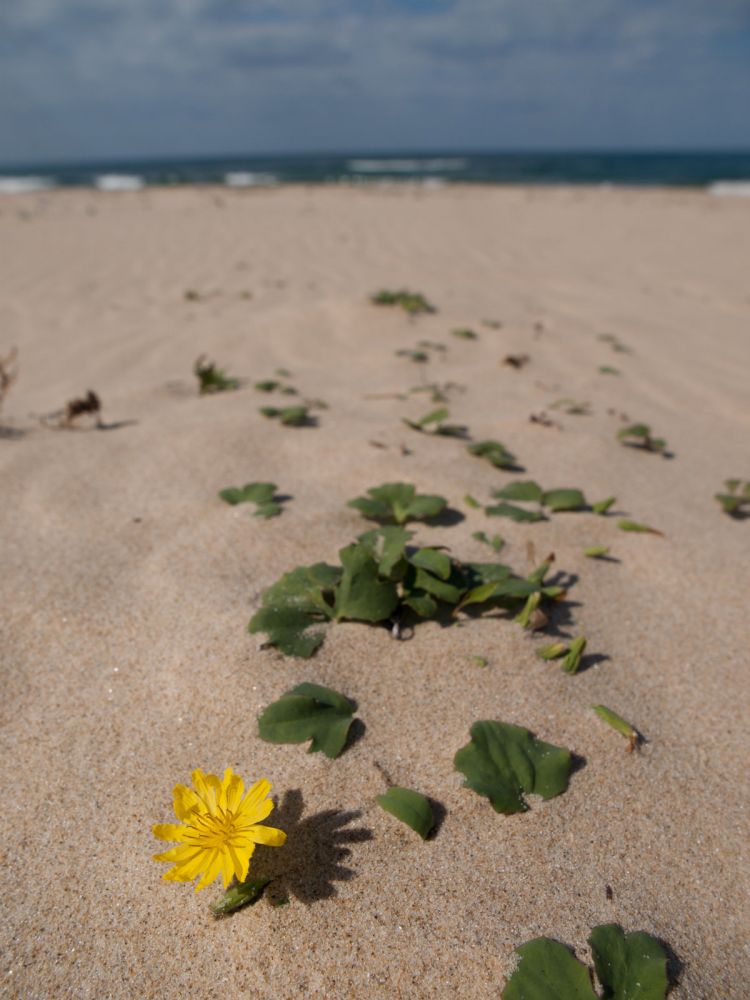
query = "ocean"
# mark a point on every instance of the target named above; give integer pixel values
(723, 173)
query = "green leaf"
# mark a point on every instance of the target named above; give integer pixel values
(553, 651)
(411, 302)
(398, 502)
(260, 494)
(305, 589)
(521, 489)
(477, 595)
(547, 970)
(421, 604)
(268, 510)
(387, 546)
(433, 417)
(602, 506)
(503, 762)
(640, 434)
(432, 560)
(239, 895)
(524, 617)
(471, 501)
(465, 334)
(480, 661)
(518, 514)
(496, 542)
(596, 551)
(626, 525)
(289, 629)
(290, 416)
(212, 379)
(608, 370)
(619, 724)
(267, 385)
(564, 499)
(572, 661)
(629, 966)
(362, 595)
(494, 452)
(308, 712)
(410, 807)
(444, 591)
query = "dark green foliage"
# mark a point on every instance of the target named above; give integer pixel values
(383, 579)
(290, 416)
(261, 494)
(398, 503)
(494, 452)
(736, 501)
(433, 423)
(410, 807)
(212, 379)
(628, 966)
(309, 712)
(519, 514)
(639, 436)
(547, 970)
(504, 762)
(412, 303)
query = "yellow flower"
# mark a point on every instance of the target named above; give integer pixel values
(220, 829)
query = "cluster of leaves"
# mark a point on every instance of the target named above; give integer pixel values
(290, 416)
(628, 966)
(383, 579)
(495, 453)
(276, 384)
(736, 501)
(398, 503)
(531, 492)
(412, 303)
(434, 423)
(640, 436)
(263, 495)
(212, 379)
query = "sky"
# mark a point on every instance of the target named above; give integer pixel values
(99, 79)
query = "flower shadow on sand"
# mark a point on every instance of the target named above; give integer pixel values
(312, 860)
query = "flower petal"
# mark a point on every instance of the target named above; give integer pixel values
(253, 800)
(268, 835)
(213, 868)
(169, 831)
(186, 802)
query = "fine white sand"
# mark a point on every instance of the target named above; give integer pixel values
(126, 585)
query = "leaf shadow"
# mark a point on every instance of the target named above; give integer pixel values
(312, 860)
(675, 965)
(591, 660)
(116, 425)
(11, 433)
(446, 518)
(439, 813)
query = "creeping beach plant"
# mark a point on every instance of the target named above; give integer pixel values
(218, 829)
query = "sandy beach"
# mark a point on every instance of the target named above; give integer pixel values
(127, 585)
